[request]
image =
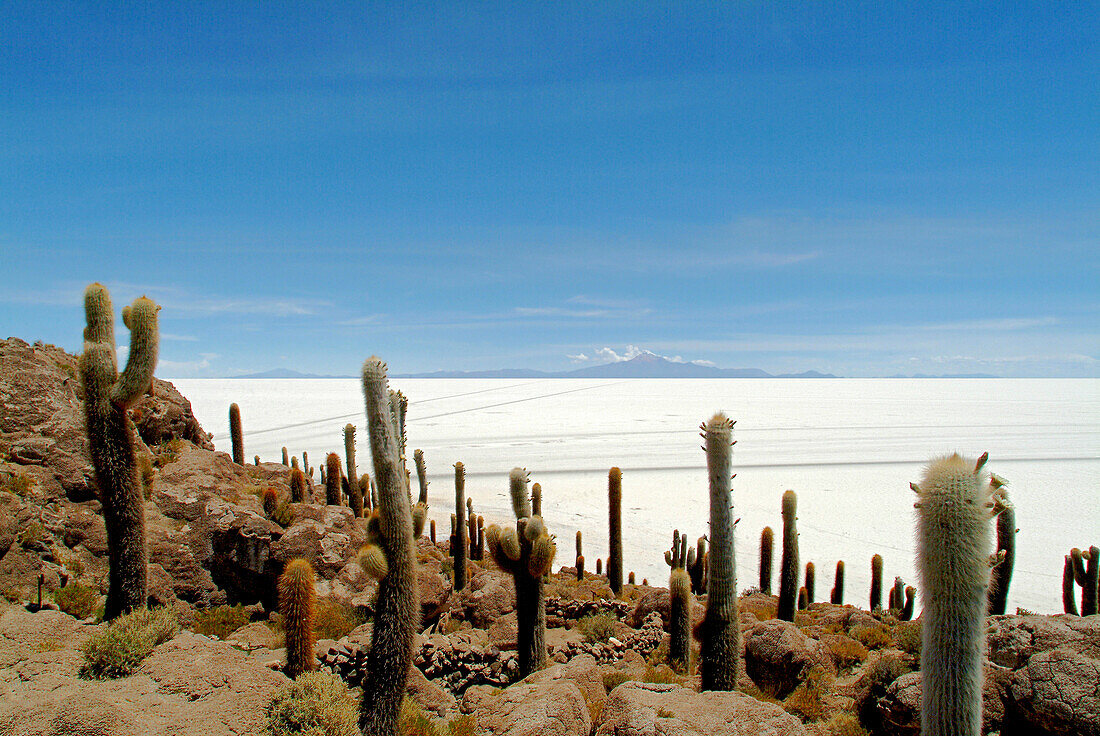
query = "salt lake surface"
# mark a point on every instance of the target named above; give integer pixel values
(849, 447)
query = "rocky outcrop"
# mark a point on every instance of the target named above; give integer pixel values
(555, 708)
(645, 709)
(778, 656)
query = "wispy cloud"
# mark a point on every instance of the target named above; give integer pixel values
(178, 338)
(1007, 325)
(366, 319)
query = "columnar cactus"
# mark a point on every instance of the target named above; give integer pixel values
(421, 474)
(788, 572)
(721, 633)
(364, 492)
(907, 607)
(297, 486)
(293, 463)
(349, 460)
(803, 598)
(333, 474)
(837, 595)
(460, 543)
(536, 499)
(953, 531)
(599, 566)
(471, 527)
(766, 542)
(697, 566)
(615, 530)
(479, 553)
(876, 582)
(286, 458)
(897, 595)
(809, 582)
(107, 396)
(1069, 592)
(679, 588)
(256, 460)
(235, 435)
(305, 463)
(527, 553)
(270, 502)
(1002, 573)
(580, 558)
(392, 551)
(1086, 577)
(297, 603)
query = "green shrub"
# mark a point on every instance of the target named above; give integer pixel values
(845, 651)
(806, 701)
(335, 620)
(614, 678)
(872, 637)
(844, 724)
(315, 704)
(117, 650)
(221, 621)
(599, 627)
(167, 452)
(662, 674)
(17, 483)
(32, 534)
(908, 635)
(77, 600)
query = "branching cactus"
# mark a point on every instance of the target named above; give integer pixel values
(1002, 573)
(107, 396)
(876, 582)
(954, 506)
(1085, 574)
(679, 588)
(235, 435)
(390, 555)
(721, 639)
(788, 572)
(527, 553)
(460, 544)
(297, 603)
(333, 475)
(766, 542)
(580, 558)
(810, 582)
(615, 530)
(837, 595)
(697, 566)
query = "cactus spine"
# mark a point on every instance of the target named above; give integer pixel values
(953, 532)
(107, 396)
(721, 640)
(397, 606)
(460, 543)
(526, 552)
(235, 434)
(788, 572)
(679, 588)
(615, 530)
(876, 582)
(333, 474)
(766, 542)
(1002, 573)
(837, 595)
(297, 603)
(809, 582)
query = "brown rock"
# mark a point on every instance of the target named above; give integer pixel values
(429, 696)
(644, 709)
(778, 656)
(527, 709)
(1058, 691)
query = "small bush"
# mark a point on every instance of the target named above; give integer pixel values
(32, 534)
(806, 701)
(885, 668)
(844, 724)
(908, 635)
(316, 704)
(220, 621)
(17, 483)
(117, 650)
(614, 678)
(872, 637)
(167, 452)
(77, 600)
(845, 651)
(148, 474)
(598, 627)
(335, 620)
(283, 514)
(662, 674)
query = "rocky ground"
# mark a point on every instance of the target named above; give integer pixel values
(215, 556)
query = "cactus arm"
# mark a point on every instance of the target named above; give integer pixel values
(135, 380)
(721, 641)
(1002, 575)
(517, 488)
(397, 605)
(1069, 593)
(1089, 590)
(421, 475)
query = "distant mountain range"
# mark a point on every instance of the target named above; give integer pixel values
(646, 365)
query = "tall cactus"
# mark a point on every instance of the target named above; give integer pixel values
(1086, 576)
(767, 539)
(460, 545)
(953, 532)
(679, 588)
(810, 582)
(697, 566)
(235, 435)
(837, 595)
(297, 603)
(1069, 593)
(897, 595)
(907, 607)
(107, 396)
(286, 458)
(349, 460)
(580, 558)
(536, 499)
(392, 551)
(297, 486)
(615, 529)
(333, 474)
(1002, 573)
(788, 572)
(527, 553)
(876, 582)
(721, 640)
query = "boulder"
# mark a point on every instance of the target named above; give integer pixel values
(488, 595)
(644, 709)
(429, 696)
(778, 656)
(556, 708)
(1058, 691)
(899, 708)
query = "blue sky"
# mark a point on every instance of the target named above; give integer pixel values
(851, 188)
